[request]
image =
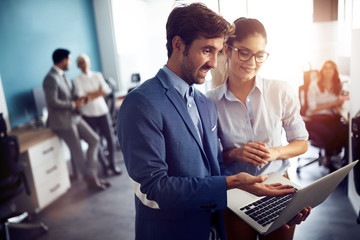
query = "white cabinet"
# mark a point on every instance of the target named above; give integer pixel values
(45, 169)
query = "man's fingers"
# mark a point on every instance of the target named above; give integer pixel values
(257, 179)
(280, 186)
(279, 190)
(275, 185)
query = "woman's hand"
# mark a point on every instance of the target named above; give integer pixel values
(274, 154)
(298, 218)
(253, 153)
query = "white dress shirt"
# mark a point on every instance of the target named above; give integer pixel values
(271, 107)
(90, 82)
(315, 97)
(60, 71)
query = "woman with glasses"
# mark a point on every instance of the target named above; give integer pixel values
(253, 112)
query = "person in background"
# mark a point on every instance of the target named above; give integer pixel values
(95, 111)
(253, 112)
(168, 134)
(325, 100)
(65, 121)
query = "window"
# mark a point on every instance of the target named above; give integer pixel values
(141, 37)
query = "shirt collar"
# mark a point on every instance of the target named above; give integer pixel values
(259, 83)
(60, 71)
(224, 91)
(179, 84)
(88, 74)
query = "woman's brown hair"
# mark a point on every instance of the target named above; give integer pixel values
(336, 83)
(245, 27)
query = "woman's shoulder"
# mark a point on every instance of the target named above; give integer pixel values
(78, 78)
(97, 75)
(275, 84)
(216, 93)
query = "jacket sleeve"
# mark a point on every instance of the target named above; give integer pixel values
(142, 136)
(52, 94)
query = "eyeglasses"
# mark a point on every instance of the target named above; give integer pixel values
(245, 55)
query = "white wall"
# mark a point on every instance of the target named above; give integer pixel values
(355, 106)
(106, 38)
(141, 37)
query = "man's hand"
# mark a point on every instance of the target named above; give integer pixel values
(255, 185)
(80, 102)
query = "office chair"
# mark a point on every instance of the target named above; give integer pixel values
(314, 139)
(12, 184)
(110, 99)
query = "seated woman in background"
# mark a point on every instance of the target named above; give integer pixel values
(325, 99)
(253, 112)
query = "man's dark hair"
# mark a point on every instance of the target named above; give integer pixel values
(60, 54)
(192, 21)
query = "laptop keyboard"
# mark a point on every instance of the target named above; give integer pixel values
(265, 210)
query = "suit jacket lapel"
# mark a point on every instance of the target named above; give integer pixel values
(178, 103)
(207, 128)
(62, 84)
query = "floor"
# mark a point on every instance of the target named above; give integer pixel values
(81, 214)
(335, 218)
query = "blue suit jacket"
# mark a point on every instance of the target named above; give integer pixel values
(177, 179)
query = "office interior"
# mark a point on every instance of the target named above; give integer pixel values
(124, 38)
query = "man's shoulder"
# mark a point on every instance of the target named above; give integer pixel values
(52, 74)
(150, 90)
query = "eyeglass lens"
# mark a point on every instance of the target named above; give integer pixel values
(246, 55)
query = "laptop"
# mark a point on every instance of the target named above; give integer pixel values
(266, 214)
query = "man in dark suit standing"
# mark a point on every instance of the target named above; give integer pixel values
(65, 121)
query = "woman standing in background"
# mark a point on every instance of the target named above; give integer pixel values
(96, 112)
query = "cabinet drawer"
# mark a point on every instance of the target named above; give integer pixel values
(43, 151)
(50, 191)
(48, 171)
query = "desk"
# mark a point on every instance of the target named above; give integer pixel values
(46, 171)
